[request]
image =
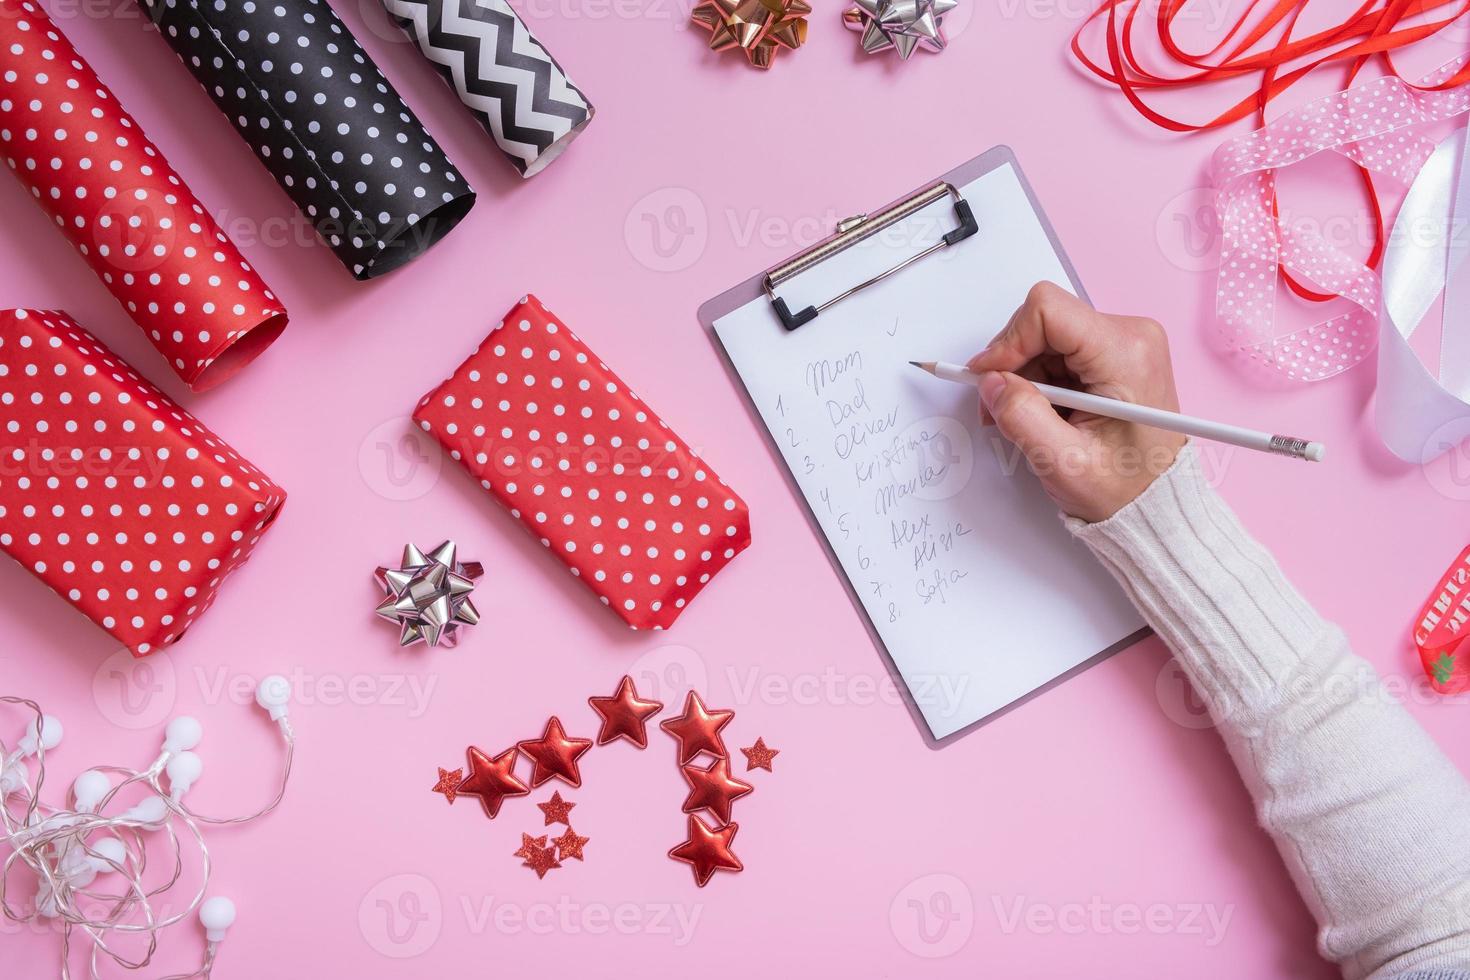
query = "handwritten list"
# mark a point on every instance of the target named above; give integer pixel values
(967, 577)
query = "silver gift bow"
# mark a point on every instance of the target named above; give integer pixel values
(429, 595)
(899, 24)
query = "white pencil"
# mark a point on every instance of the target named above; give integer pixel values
(1143, 415)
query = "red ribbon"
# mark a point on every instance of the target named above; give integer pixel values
(1373, 31)
(1442, 627)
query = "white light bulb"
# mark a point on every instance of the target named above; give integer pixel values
(149, 812)
(89, 789)
(183, 771)
(49, 738)
(216, 915)
(107, 855)
(182, 734)
(274, 695)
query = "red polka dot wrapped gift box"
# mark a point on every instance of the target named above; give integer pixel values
(111, 494)
(587, 467)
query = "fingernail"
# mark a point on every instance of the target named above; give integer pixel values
(991, 382)
(979, 357)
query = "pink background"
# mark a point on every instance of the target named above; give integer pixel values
(866, 853)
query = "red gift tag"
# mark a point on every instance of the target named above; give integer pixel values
(1442, 628)
(590, 469)
(90, 167)
(109, 492)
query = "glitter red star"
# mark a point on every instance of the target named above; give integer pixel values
(448, 783)
(625, 715)
(708, 849)
(554, 754)
(569, 845)
(759, 757)
(714, 789)
(492, 780)
(529, 844)
(557, 810)
(698, 729)
(542, 860)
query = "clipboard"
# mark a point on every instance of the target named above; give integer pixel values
(813, 329)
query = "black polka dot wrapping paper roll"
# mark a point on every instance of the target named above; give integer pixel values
(324, 121)
(118, 499)
(516, 90)
(110, 191)
(587, 467)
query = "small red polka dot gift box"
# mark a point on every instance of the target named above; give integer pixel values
(111, 494)
(587, 467)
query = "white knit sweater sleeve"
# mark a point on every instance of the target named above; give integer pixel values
(1371, 818)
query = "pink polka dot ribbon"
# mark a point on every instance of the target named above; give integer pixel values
(1372, 125)
(109, 190)
(587, 467)
(115, 497)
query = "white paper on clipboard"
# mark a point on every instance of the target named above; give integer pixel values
(969, 581)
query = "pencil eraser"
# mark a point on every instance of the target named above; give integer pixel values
(1316, 451)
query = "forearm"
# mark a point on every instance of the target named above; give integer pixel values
(1369, 815)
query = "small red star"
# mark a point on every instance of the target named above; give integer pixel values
(448, 783)
(714, 789)
(555, 755)
(529, 844)
(625, 715)
(759, 757)
(492, 780)
(698, 729)
(542, 860)
(569, 845)
(708, 849)
(557, 810)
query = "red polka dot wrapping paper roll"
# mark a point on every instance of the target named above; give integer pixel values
(91, 168)
(115, 497)
(587, 467)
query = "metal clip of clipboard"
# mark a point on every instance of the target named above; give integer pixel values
(857, 229)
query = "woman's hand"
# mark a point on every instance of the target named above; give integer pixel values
(1090, 465)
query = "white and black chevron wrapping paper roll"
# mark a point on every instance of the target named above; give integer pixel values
(501, 72)
(326, 123)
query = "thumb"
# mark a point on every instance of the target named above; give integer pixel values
(1026, 418)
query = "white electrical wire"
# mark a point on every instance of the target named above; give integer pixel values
(83, 853)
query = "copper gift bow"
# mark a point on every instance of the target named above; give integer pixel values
(757, 27)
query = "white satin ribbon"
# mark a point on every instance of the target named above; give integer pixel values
(1421, 415)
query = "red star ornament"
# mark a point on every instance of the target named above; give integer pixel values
(714, 789)
(492, 780)
(529, 844)
(758, 756)
(569, 844)
(625, 715)
(698, 729)
(542, 860)
(708, 849)
(556, 810)
(555, 755)
(448, 783)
